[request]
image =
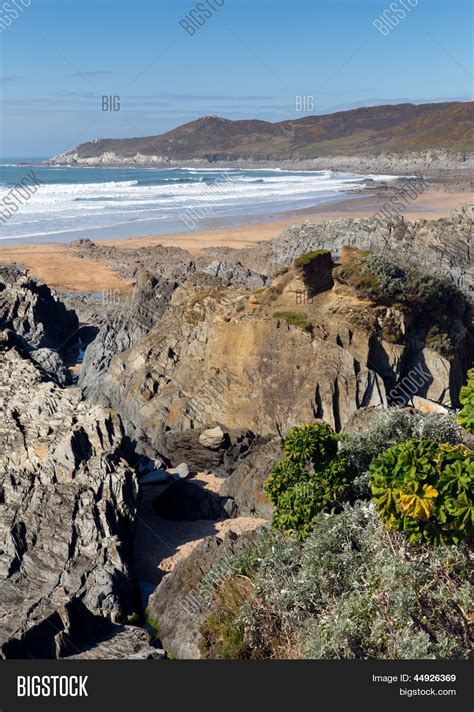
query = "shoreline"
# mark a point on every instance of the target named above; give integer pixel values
(49, 261)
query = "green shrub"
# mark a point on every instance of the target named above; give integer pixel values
(284, 476)
(425, 489)
(466, 415)
(367, 596)
(311, 478)
(316, 442)
(298, 505)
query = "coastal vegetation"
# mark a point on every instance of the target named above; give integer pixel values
(368, 555)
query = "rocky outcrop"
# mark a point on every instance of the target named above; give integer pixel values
(161, 261)
(171, 263)
(265, 362)
(232, 273)
(441, 246)
(67, 501)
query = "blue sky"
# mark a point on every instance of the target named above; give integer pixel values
(251, 59)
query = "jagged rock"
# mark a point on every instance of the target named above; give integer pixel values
(66, 515)
(130, 320)
(123, 643)
(166, 263)
(234, 273)
(170, 263)
(442, 246)
(186, 501)
(33, 311)
(51, 362)
(212, 438)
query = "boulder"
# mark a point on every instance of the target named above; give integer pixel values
(244, 487)
(212, 438)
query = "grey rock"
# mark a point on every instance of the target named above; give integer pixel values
(33, 311)
(244, 487)
(122, 643)
(66, 515)
(131, 320)
(51, 362)
(234, 273)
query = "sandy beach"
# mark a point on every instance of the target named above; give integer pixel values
(66, 273)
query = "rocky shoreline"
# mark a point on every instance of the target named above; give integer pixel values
(118, 492)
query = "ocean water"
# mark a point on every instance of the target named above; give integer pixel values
(74, 202)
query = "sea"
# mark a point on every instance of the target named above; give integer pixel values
(67, 203)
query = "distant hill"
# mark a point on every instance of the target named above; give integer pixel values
(371, 130)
